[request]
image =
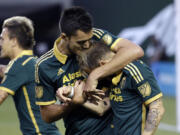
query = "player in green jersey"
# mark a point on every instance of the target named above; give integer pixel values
(59, 67)
(135, 97)
(16, 42)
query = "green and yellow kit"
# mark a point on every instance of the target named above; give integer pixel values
(19, 81)
(133, 90)
(54, 70)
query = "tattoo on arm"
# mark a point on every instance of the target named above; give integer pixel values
(155, 114)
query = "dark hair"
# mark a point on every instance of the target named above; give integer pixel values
(22, 29)
(73, 19)
(90, 58)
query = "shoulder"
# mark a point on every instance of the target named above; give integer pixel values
(44, 59)
(139, 71)
(134, 69)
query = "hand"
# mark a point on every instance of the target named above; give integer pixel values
(95, 95)
(79, 96)
(63, 93)
(91, 84)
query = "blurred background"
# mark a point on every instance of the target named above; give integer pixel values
(150, 24)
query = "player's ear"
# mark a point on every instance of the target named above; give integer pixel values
(15, 42)
(102, 62)
(64, 36)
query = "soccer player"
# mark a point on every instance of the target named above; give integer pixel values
(59, 67)
(135, 97)
(16, 42)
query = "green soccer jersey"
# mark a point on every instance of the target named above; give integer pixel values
(133, 89)
(54, 70)
(19, 81)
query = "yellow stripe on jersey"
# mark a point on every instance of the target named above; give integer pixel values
(44, 55)
(43, 58)
(153, 98)
(96, 35)
(26, 61)
(132, 74)
(98, 32)
(30, 110)
(115, 42)
(46, 103)
(135, 72)
(136, 68)
(7, 90)
(101, 31)
(143, 118)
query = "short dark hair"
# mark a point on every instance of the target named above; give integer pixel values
(90, 58)
(73, 19)
(22, 29)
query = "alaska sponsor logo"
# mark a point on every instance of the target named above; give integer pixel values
(69, 77)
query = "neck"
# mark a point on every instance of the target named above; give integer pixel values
(63, 47)
(16, 52)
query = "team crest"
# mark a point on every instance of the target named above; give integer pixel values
(107, 39)
(122, 83)
(145, 89)
(60, 71)
(39, 91)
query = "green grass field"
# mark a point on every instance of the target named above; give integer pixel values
(9, 124)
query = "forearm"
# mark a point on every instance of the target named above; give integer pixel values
(155, 114)
(3, 96)
(52, 113)
(126, 52)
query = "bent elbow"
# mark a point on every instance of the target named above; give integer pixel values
(46, 119)
(44, 115)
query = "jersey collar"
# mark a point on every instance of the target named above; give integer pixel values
(60, 57)
(116, 79)
(24, 52)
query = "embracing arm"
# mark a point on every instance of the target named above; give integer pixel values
(100, 108)
(155, 114)
(54, 112)
(3, 96)
(126, 52)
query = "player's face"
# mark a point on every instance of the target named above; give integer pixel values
(80, 41)
(5, 44)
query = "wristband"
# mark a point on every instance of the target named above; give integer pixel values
(72, 92)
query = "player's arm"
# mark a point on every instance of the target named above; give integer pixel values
(3, 96)
(126, 52)
(54, 112)
(155, 114)
(100, 107)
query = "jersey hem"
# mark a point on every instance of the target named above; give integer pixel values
(46, 103)
(153, 98)
(114, 44)
(7, 90)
